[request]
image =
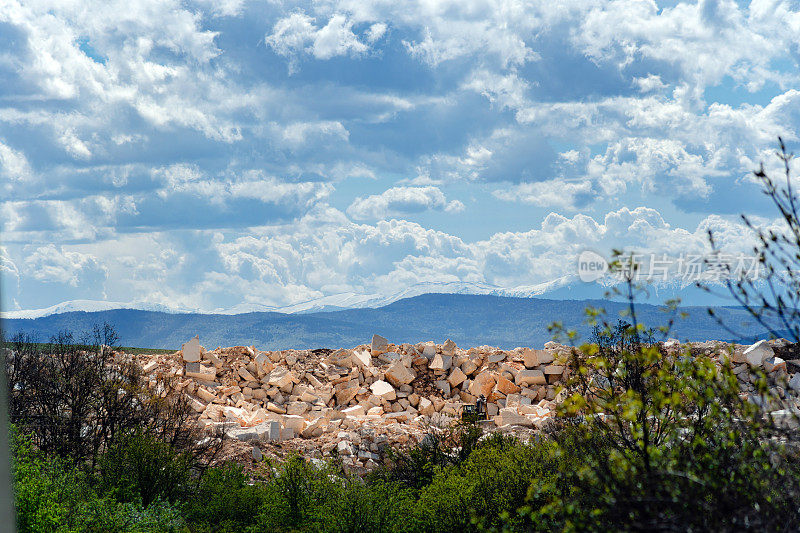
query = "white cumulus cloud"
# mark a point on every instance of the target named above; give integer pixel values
(298, 35)
(400, 201)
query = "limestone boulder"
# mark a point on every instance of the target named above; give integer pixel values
(295, 422)
(264, 431)
(242, 434)
(449, 348)
(314, 429)
(506, 386)
(206, 395)
(308, 395)
(554, 370)
(530, 377)
(263, 364)
(457, 377)
(515, 400)
(196, 404)
(379, 345)
(426, 406)
(786, 418)
(497, 357)
(203, 373)
(469, 366)
(149, 367)
(346, 448)
(737, 356)
(245, 374)
(429, 349)
(510, 416)
(759, 351)
(362, 359)
(397, 374)
(191, 350)
(482, 384)
(212, 358)
(281, 377)
(342, 358)
(275, 408)
(270, 430)
(530, 358)
(356, 410)
(297, 408)
(774, 363)
(344, 395)
(441, 362)
(383, 390)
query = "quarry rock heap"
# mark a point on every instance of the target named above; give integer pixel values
(358, 400)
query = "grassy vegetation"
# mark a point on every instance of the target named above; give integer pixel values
(145, 351)
(44, 346)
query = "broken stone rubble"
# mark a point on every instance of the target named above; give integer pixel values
(385, 394)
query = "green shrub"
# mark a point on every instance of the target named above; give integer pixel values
(108, 515)
(225, 500)
(141, 469)
(294, 497)
(53, 495)
(416, 467)
(366, 508)
(665, 441)
(492, 481)
(47, 493)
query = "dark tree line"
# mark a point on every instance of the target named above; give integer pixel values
(75, 397)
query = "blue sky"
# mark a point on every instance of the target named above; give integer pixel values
(211, 153)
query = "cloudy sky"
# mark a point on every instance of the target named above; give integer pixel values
(210, 153)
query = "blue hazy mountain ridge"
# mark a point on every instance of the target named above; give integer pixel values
(469, 320)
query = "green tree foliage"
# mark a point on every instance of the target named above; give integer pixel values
(54, 495)
(665, 441)
(296, 493)
(361, 507)
(491, 482)
(141, 469)
(225, 500)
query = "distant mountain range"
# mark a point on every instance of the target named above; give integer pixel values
(467, 319)
(566, 288)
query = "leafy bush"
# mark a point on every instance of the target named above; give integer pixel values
(141, 469)
(665, 441)
(361, 507)
(225, 500)
(52, 495)
(492, 481)
(441, 447)
(295, 494)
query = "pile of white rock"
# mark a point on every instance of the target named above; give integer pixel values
(358, 400)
